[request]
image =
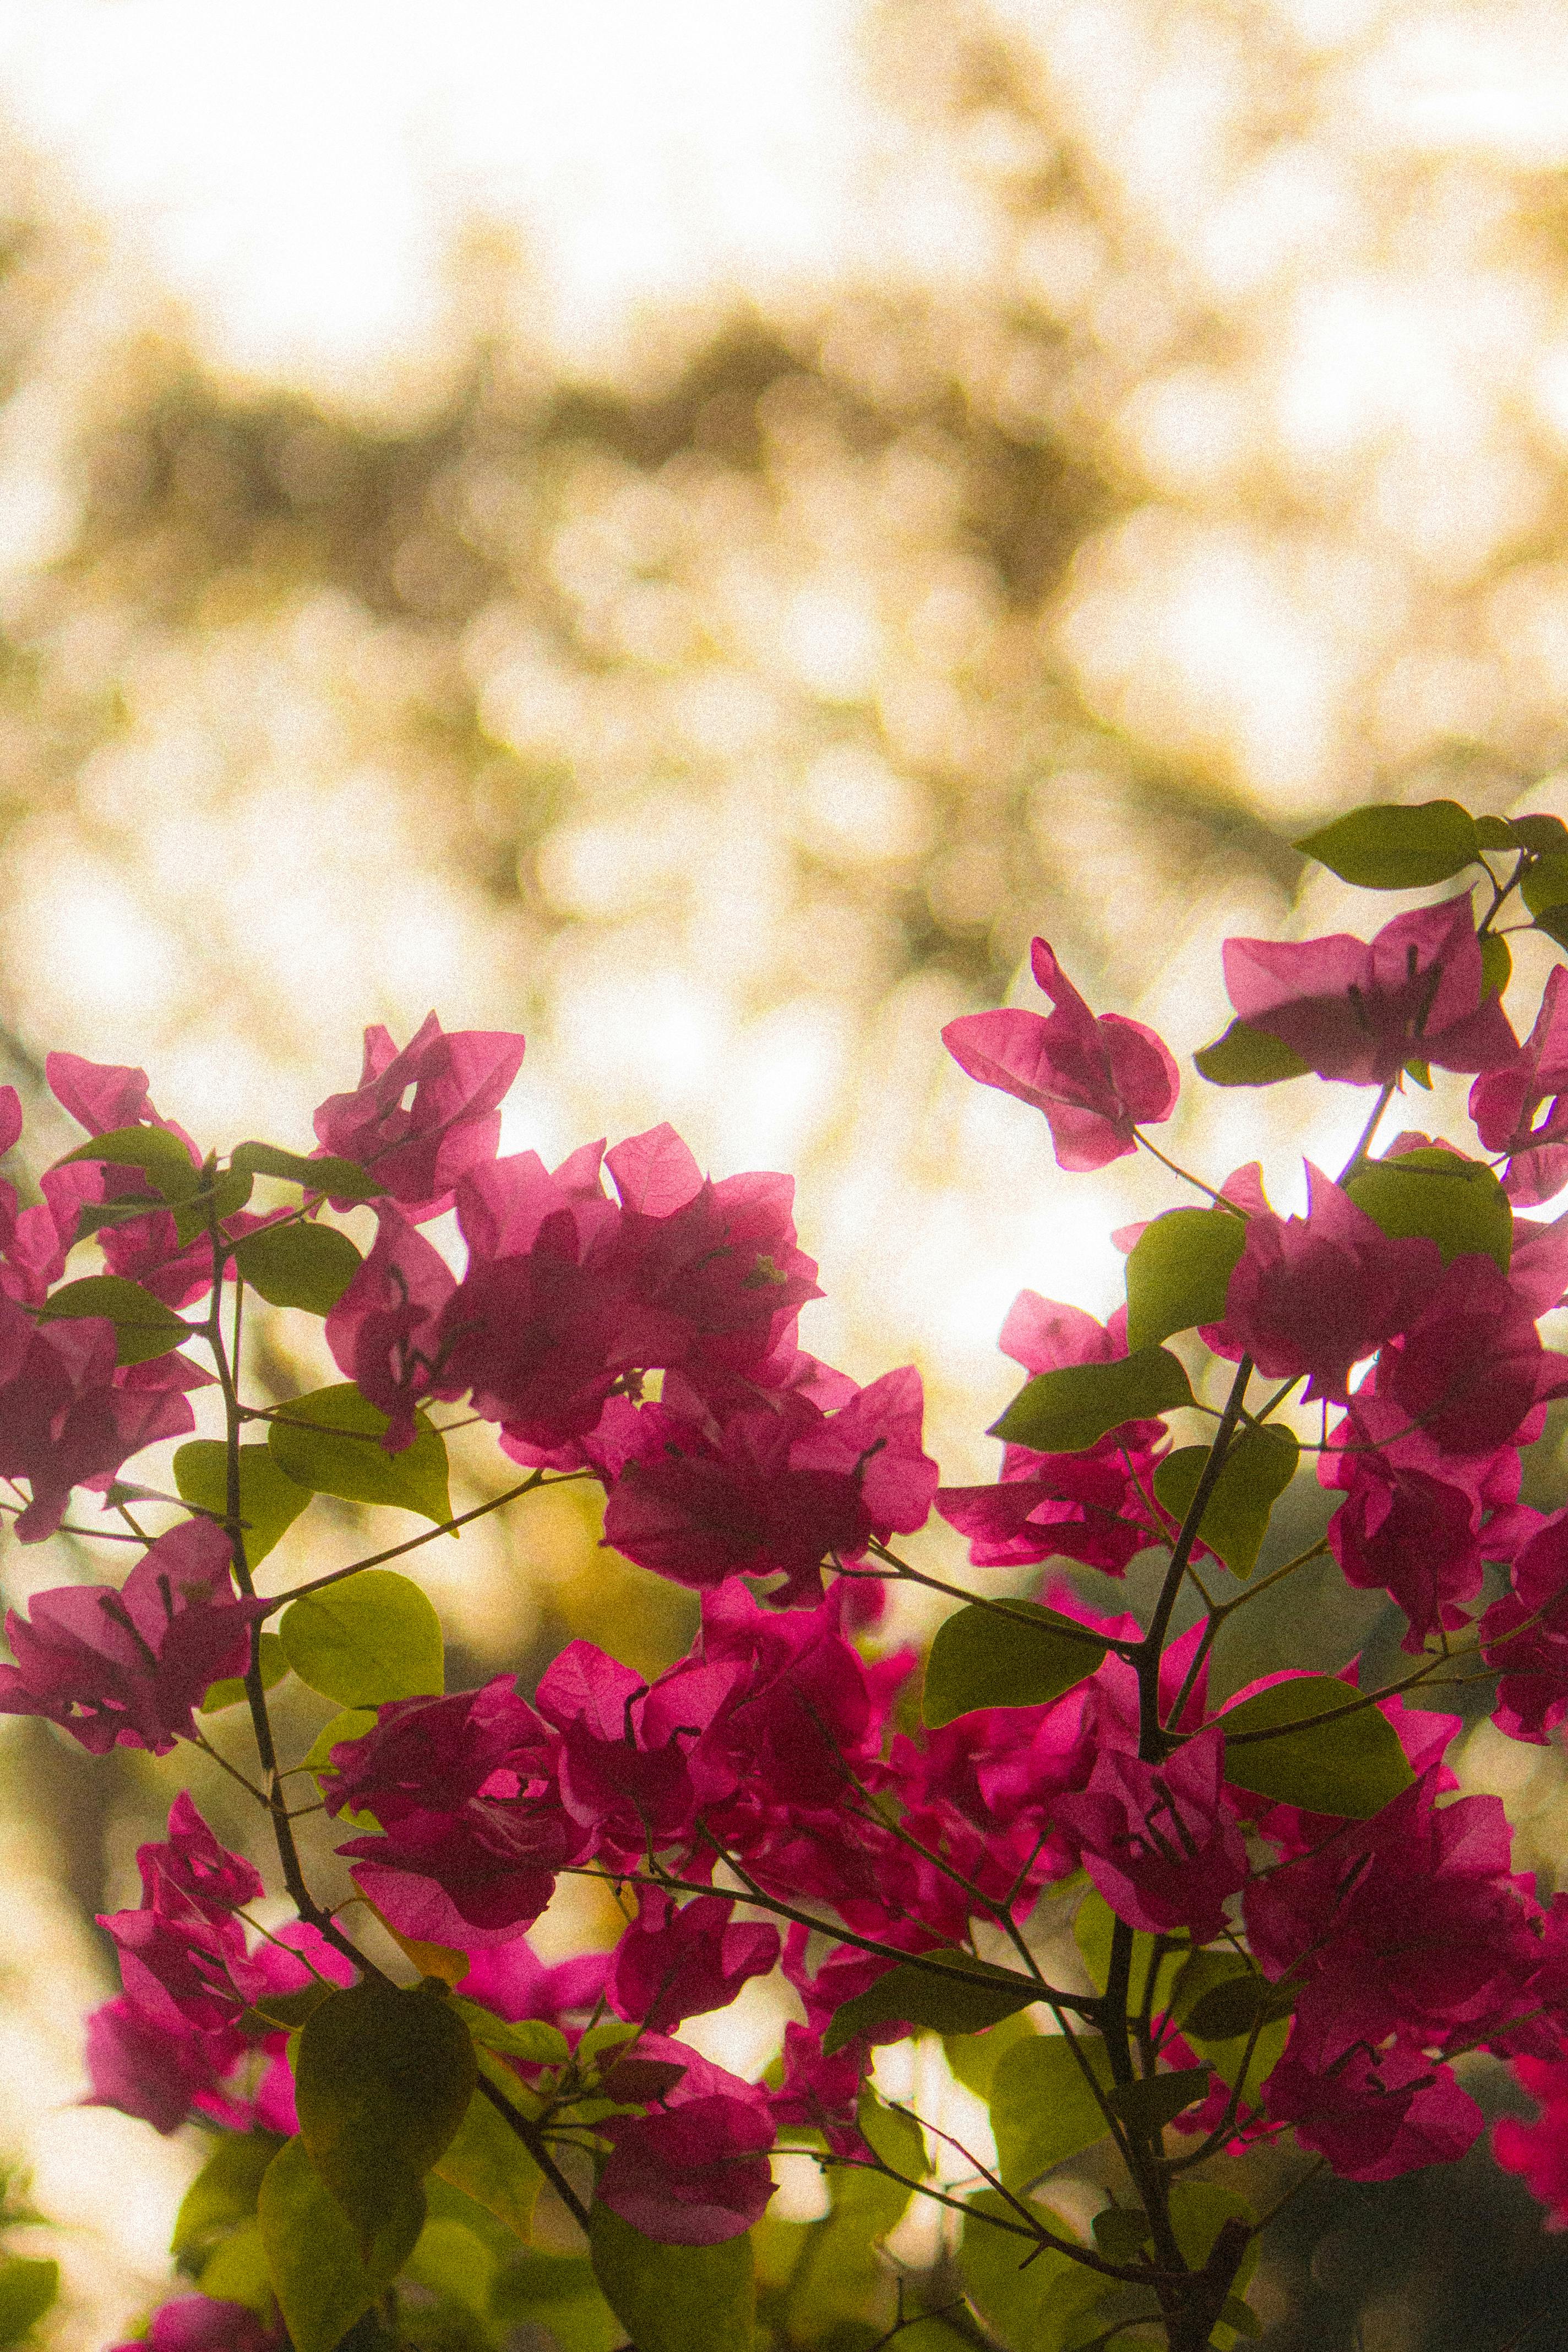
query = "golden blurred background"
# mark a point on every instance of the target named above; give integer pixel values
(693, 532)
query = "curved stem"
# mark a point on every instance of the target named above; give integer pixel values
(535, 1478)
(1152, 1742)
(533, 2140)
(1219, 1200)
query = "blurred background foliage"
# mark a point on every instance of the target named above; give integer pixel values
(695, 539)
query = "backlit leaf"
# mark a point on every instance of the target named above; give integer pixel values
(1545, 885)
(143, 1325)
(162, 1157)
(1043, 2107)
(343, 1178)
(1094, 1930)
(1199, 2211)
(1389, 848)
(330, 1441)
(299, 1265)
(225, 2190)
(1547, 836)
(1020, 1655)
(893, 2134)
(487, 2160)
(526, 2037)
(237, 2271)
(1257, 1469)
(374, 1637)
(321, 2282)
(269, 1500)
(557, 2293)
(1034, 2301)
(1351, 1766)
(453, 2261)
(1458, 1204)
(231, 1691)
(27, 2289)
(215, 1198)
(1249, 1057)
(975, 2058)
(1068, 1412)
(969, 1996)
(1120, 2233)
(1147, 2106)
(383, 2082)
(673, 2298)
(1179, 1271)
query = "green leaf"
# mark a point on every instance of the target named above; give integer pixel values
(1545, 885)
(270, 1501)
(1147, 2106)
(1022, 1656)
(975, 2057)
(237, 2271)
(1219, 2000)
(352, 1724)
(826, 2279)
(1179, 1271)
(1249, 1057)
(27, 2289)
(383, 2082)
(1068, 1412)
(1043, 2108)
(1093, 1929)
(298, 1266)
(560, 2294)
(837, 2279)
(1228, 2012)
(975, 1996)
(1199, 2211)
(1120, 2233)
(1257, 1469)
(1029, 2300)
(673, 2298)
(231, 1691)
(454, 2263)
(487, 2161)
(330, 1441)
(286, 2010)
(1554, 921)
(1229, 2057)
(1393, 848)
(216, 1198)
(1496, 964)
(374, 1637)
(1545, 837)
(162, 1157)
(319, 2277)
(527, 2038)
(1220, 1995)
(225, 2190)
(344, 1179)
(1457, 1203)
(143, 1325)
(893, 2134)
(1351, 1766)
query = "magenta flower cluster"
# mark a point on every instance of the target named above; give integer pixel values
(776, 1802)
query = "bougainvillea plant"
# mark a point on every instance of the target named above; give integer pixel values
(1155, 1931)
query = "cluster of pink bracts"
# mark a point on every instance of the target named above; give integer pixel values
(1407, 1940)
